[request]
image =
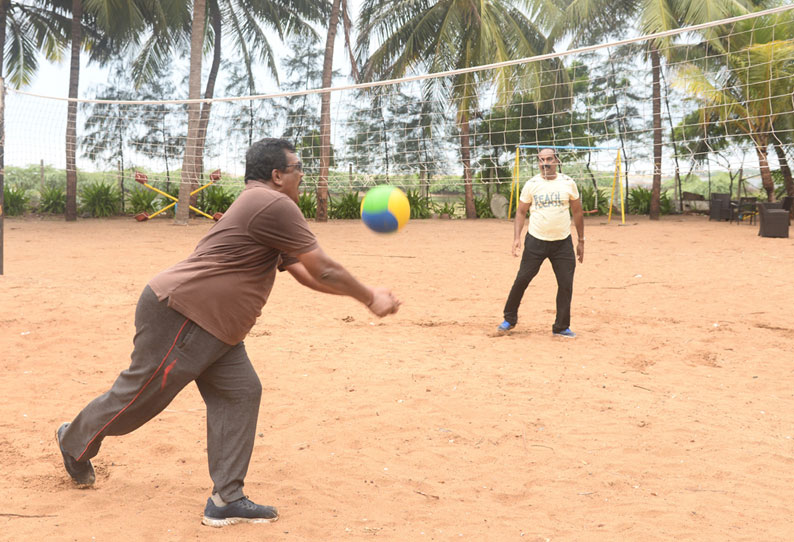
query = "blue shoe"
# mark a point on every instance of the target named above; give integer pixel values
(239, 511)
(568, 334)
(505, 326)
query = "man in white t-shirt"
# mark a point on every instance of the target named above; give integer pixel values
(549, 196)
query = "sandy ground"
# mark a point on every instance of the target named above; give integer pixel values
(670, 417)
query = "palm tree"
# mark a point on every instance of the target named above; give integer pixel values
(450, 35)
(247, 22)
(659, 16)
(751, 88)
(338, 7)
(190, 173)
(103, 29)
(30, 29)
(583, 18)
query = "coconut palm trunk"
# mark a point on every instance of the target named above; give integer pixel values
(71, 113)
(761, 149)
(465, 156)
(656, 187)
(325, 116)
(209, 92)
(785, 170)
(190, 161)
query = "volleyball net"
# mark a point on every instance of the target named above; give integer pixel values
(725, 99)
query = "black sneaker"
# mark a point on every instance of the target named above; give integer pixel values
(239, 511)
(82, 472)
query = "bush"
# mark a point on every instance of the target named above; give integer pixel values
(346, 206)
(483, 207)
(142, 200)
(665, 205)
(639, 201)
(100, 199)
(307, 202)
(215, 199)
(446, 208)
(420, 205)
(15, 200)
(53, 200)
(162, 201)
(587, 195)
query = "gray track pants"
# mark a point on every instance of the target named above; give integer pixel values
(170, 351)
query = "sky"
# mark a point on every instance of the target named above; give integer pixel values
(52, 79)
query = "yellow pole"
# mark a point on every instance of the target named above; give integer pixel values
(622, 199)
(612, 196)
(514, 184)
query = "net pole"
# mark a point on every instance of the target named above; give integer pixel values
(2, 165)
(622, 198)
(612, 195)
(514, 184)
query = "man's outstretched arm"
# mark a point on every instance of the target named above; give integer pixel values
(316, 270)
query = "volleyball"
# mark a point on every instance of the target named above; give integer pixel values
(385, 209)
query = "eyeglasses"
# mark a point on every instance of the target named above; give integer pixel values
(297, 165)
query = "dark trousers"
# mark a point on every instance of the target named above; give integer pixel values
(563, 261)
(170, 351)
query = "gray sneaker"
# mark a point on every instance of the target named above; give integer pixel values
(239, 511)
(82, 472)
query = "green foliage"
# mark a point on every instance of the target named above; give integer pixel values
(162, 201)
(421, 206)
(53, 199)
(483, 207)
(15, 200)
(445, 208)
(307, 202)
(345, 207)
(215, 199)
(588, 196)
(100, 199)
(665, 204)
(780, 186)
(639, 201)
(142, 200)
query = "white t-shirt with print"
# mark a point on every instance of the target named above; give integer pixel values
(549, 204)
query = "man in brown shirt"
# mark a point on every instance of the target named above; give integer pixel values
(191, 320)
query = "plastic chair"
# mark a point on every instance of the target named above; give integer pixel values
(744, 209)
(720, 206)
(773, 219)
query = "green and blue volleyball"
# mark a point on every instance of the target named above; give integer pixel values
(385, 209)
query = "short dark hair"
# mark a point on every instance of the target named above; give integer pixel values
(264, 156)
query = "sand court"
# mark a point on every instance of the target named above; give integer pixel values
(670, 417)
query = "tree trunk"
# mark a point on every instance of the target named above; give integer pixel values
(784, 168)
(209, 92)
(763, 163)
(465, 156)
(71, 113)
(656, 187)
(678, 189)
(190, 161)
(325, 116)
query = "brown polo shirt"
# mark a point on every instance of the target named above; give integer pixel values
(225, 283)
